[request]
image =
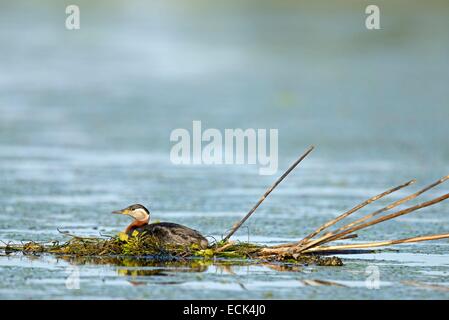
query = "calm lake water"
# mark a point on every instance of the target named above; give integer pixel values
(85, 120)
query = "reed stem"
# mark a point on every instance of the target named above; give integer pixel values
(394, 204)
(378, 243)
(356, 208)
(278, 181)
(333, 237)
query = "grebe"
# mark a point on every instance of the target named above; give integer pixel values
(165, 232)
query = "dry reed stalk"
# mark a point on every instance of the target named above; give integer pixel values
(356, 208)
(423, 285)
(224, 247)
(294, 244)
(293, 166)
(333, 237)
(393, 205)
(377, 243)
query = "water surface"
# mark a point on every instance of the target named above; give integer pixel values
(85, 120)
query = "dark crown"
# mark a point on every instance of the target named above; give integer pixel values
(138, 206)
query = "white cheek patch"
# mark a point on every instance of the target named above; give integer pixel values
(139, 214)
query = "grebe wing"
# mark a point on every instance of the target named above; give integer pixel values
(169, 232)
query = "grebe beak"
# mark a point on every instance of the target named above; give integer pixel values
(123, 211)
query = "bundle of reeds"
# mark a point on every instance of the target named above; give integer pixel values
(317, 241)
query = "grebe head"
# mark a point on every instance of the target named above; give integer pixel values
(137, 211)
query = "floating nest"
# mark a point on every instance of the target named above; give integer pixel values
(147, 247)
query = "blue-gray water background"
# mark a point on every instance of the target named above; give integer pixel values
(86, 115)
